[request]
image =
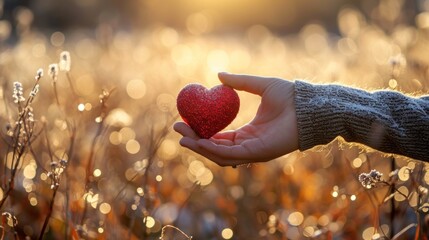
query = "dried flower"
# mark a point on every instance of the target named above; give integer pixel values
(65, 61)
(53, 71)
(398, 61)
(18, 92)
(39, 74)
(30, 116)
(368, 180)
(63, 162)
(57, 168)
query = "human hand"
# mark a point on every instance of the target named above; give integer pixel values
(272, 133)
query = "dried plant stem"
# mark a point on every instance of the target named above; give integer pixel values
(153, 148)
(73, 90)
(132, 222)
(6, 194)
(175, 228)
(11, 182)
(103, 112)
(396, 236)
(67, 200)
(89, 166)
(67, 208)
(146, 197)
(48, 216)
(56, 93)
(418, 229)
(416, 180)
(33, 152)
(20, 143)
(392, 201)
(194, 189)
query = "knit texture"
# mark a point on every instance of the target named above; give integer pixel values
(385, 120)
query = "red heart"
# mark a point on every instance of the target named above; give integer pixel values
(207, 111)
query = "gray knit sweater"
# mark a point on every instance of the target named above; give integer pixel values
(385, 120)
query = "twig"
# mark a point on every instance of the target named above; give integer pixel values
(51, 206)
(20, 142)
(392, 201)
(103, 99)
(89, 166)
(153, 148)
(71, 85)
(54, 84)
(404, 230)
(70, 156)
(2, 233)
(175, 228)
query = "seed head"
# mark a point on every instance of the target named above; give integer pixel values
(18, 92)
(398, 61)
(368, 180)
(375, 175)
(63, 162)
(53, 71)
(30, 116)
(39, 74)
(65, 61)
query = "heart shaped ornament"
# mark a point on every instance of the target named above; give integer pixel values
(207, 111)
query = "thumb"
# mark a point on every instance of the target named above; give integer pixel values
(248, 83)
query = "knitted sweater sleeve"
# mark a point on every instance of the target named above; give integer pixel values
(385, 120)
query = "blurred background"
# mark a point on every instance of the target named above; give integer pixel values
(217, 16)
(107, 119)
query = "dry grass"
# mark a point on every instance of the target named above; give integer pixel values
(100, 160)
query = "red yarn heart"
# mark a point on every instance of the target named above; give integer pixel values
(207, 111)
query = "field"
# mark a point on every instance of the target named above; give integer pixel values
(88, 152)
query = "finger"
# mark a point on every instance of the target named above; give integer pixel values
(224, 151)
(194, 146)
(227, 135)
(189, 143)
(185, 130)
(224, 138)
(224, 142)
(248, 83)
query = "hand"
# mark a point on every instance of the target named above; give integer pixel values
(272, 133)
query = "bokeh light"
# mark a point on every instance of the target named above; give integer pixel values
(57, 39)
(136, 88)
(227, 233)
(295, 218)
(132, 146)
(97, 173)
(105, 208)
(30, 171)
(149, 222)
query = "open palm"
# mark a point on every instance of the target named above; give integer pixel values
(272, 133)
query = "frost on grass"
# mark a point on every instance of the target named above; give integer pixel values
(18, 93)
(369, 180)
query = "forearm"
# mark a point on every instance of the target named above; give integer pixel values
(387, 121)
